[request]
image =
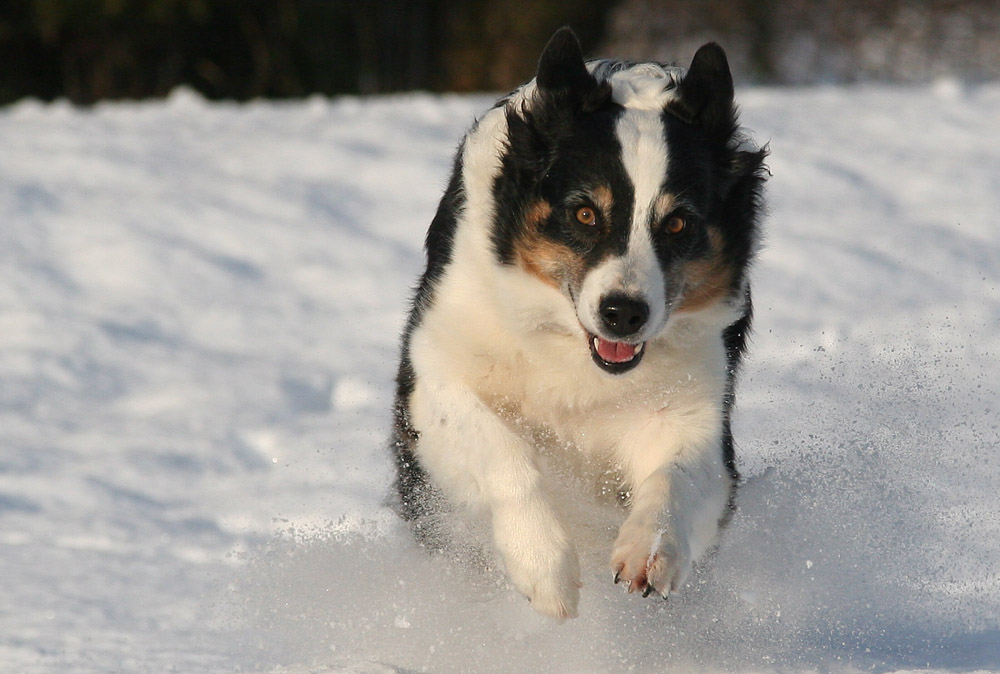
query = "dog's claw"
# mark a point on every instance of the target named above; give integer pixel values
(618, 576)
(648, 590)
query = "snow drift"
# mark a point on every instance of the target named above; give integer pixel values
(199, 308)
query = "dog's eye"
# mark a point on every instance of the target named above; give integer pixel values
(675, 224)
(586, 216)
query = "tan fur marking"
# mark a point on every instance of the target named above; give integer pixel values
(544, 259)
(603, 199)
(706, 281)
(662, 206)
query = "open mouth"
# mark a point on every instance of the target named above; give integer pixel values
(615, 357)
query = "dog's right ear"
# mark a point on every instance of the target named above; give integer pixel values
(563, 76)
(561, 67)
(564, 88)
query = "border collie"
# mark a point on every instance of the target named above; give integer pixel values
(576, 334)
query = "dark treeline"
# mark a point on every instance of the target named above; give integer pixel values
(808, 41)
(88, 50)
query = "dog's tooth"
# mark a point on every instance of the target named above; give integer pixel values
(639, 348)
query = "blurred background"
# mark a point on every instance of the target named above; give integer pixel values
(89, 50)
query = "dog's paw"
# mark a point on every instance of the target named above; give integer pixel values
(550, 581)
(649, 561)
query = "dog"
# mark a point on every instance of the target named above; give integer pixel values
(577, 331)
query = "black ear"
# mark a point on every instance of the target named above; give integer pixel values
(564, 90)
(561, 67)
(705, 95)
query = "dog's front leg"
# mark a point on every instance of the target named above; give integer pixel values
(480, 462)
(677, 504)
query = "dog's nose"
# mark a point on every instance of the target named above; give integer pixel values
(623, 316)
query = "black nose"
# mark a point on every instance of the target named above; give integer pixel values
(623, 316)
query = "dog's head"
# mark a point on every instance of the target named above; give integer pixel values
(627, 188)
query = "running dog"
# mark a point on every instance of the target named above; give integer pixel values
(577, 331)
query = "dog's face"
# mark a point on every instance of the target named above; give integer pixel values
(628, 194)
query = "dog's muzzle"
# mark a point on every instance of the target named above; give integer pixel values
(622, 317)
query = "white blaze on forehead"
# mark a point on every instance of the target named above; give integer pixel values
(637, 273)
(644, 155)
(645, 86)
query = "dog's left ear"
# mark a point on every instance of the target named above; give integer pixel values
(705, 95)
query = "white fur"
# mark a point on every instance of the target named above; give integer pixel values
(643, 86)
(646, 86)
(637, 274)
(500, 355)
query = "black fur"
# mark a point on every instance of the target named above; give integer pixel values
(726, 182)
(578, 154)
(564, 142)
(708, 161)
(705, 95)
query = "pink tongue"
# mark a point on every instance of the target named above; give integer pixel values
(615, 352)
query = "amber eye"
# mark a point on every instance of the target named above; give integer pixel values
(586, 216)
(675, 224)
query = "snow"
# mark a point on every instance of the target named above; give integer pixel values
(199, 308)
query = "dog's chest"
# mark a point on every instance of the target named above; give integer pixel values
(565, 409)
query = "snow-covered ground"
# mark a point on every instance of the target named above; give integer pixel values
(199, 306)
